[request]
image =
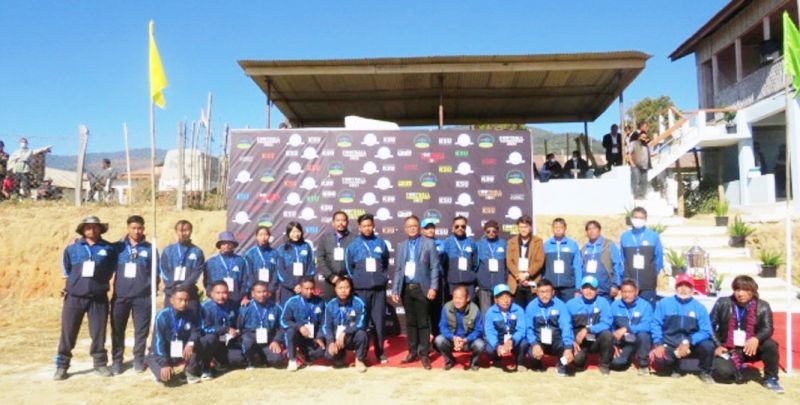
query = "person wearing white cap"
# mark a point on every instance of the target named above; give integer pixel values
(591, 324)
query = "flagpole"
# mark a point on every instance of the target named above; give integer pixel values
(788, 262)
(154, 241)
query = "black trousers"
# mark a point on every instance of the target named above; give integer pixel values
(418, 326)
(565, 293)
(358, 342)
(71, 319)
(603, 345)
(445, 346)
(192, 366)
(214, 349)
(255, 352)
(725, 371)
(375, 302)
(554, 349)
(703, 351)
(308, 347)
(523, 296)
(640, 347)
(121, 309)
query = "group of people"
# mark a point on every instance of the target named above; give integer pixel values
(16, 169)
(516, 300)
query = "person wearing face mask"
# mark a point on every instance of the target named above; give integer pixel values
(229, 267)
(742, 325)
(19, 163)
(330, 253)
(551, 168)
(182, 264)
(262, 260)
(491, 264)
(577, 163)
(295, 260)
(681, 328)
(632, 319)
(642, 255)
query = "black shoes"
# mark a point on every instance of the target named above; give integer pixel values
(426, 363)
(60, 375)
(410, 358)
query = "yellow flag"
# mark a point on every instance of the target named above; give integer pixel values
(158, 80)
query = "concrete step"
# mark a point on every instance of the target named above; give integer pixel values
(688, 230)
(715, 252)
(735, 267)
(705, 241)
(668, 220)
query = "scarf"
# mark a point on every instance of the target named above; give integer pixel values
(749, 323)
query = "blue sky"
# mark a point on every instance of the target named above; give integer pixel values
(66, 63)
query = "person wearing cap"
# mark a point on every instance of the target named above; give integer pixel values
(681, 328)
(504, 328)
(563, 262)
(632, 318)
(416, 280)
(261, 332)
(330, 253)
(344, 326)
(435, 309)
(642, 255)
(367, 266)
(524, 261)
(491, 263)
(182, 264)
(460, 259)
(88, 265)
(174, 341)
(19, 163)
(461, 328)
(46, 191)
(742, 325)
(262, 260)
(131, 295)
(220, 332)
(549, 329)
(602, 260)
(591, 325)
(302, 320)
(295, 260)
(229, 267)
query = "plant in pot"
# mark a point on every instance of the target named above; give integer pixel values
(658, 228)
(739, 231)
(628, 212)
(677, 262)
(721, 212)
(730, 125)
(769, 263)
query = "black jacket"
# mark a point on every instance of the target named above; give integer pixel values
(721, 315)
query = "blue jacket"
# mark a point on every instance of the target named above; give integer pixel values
(676, 320)
(647, 243)
(568, 251)
(254, 315)
(594, 251)
(452, 249)
(104, 257)
(258, 258)
(427, 264)
(298, 312)
(461, 330)
(594, 315)
(496, 324)
(355, 262)
(350, 315)
(554, 315)
(216, 319)
(234, 266)
(637, 317)
(141, 255)
(171, 325)
(486, 251)
(288, 254)
(175, 255)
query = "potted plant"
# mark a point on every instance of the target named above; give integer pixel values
(730, 125)
(658, 228)
(677, 262)
(769, 263)
(739, 231)
(628, 212)
(721, 212)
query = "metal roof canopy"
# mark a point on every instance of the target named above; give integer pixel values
(710, 27)
(471, 89)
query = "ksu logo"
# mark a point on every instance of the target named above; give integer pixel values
(344, 141)
(265, 220)
(242, 196)
(268, 176)
(432, 215)
(347, 196)
(335, 169)
(485, 141)
(244, 143)
(422, 141)
(427, 180)
(515, 177)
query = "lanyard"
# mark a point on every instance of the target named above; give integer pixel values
(261, 315)
(594, 248)
(309, 309)
(132, 253)
(297, 255)
(460, 248)
(89, 251)
(638, 240)
(558, 249)
(367, 246)
(523, 248)
(412, 249)
(505, 318)
(492, 247)
(221, 311)
(343, 311)
(177, 323)
(544, 316)
(739, 316)
(630, 319)
(263, 260)
(225, 263)
(591, 313)
(338, 239)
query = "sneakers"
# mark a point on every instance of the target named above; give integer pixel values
(191, 378)
(207, 375)
(102, 371)
(561, 370)
(676, 374)
(116, 368)
(772, 384)
(448, 365)
(604, 370)
(382, 359)
(360, 366)
(249, 368)
(706, 378)
(292, 365)
(643, 371)
(60, 374)
(522, 368)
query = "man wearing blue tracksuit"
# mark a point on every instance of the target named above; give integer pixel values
(367, 264)
(262, 261)
(633, 318)
(88, 265)
(302, 320)
(504, 329)
(131, 295)
(549, 328)
(682, 328)
(228, 267)
(591, 325)
(344, 326)
(491, 263)
(174, 339)
(562, 262)
(260, 328)
(182, 264)
(642, 255)
(460, 258)
(220, 334)
(601, 259)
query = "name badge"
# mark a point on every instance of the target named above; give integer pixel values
(410, 269)
(130, 270)
(310, 328)
(371, 265)
(176, 349)
(88, 269)
(739, 338)
(591, 266)
(229, 282)
(462, 263)
(494, 265)
(638, 261)
(547, 335)
(590, 337)
(558, 266)
(180, 273)
(262, 336)
(506, 338)
(338, 253)
(340, 331)
(263, 274)
(523, 264)
(297, 269)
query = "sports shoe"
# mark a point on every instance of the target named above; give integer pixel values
(382, 359)
(292, 365)
(360, 366)
(772, 384)
(60, 374)
(604, 370)
(448, 365)
(522, 368)
(643, 371)
(191, 378)
(116, 368)
(676, 374)
(207, 375)
(561, 370)
(249, 368)
(706, 378)
(102, 371)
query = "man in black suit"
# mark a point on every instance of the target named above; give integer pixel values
(576, 163)
(612, 142)
(330, 254)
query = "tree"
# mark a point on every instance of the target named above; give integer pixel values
(499, 127)
(649, 109)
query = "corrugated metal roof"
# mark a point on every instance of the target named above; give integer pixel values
(724, 15)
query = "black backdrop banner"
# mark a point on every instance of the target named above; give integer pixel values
(278, 176)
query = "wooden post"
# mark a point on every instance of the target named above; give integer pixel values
(269, 103)
(441, 101)
(545, 148)
(193, 169)
(128, 164)
(223, 172)
(180, 183)
(84, 141)
(206, 168)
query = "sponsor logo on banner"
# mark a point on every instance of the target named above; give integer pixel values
(433, 215)
(404, 213)
(246, 159)
(328, 152)
(405, 183)
(464, 168)
(344, 141)
(490, 194)
(354, 154)
(511, 140)
(369, 199)
(268, 156)
(290, 183)
(370, 168)
(307, 214)
(383, 183)
(487, 179)
(311, 229)
(445, 200)
(269, 197)
(464, 200)
(410, 167)
(515, 158)
(241, 218)
(312, 198)
(404, 152)
(514, 212)
(291, 153)
(485, 141)
(516, 197)
(294, 168)
(242, 196)
(316, 140)
(463, 140)
(462, 183)
(487, 210)
(432, 157)
(445, 141)
(347, 196)
(418, 196)
(445, 169)
(384, 153)
(328, 193)
(244, 143)
(388, 167)
(295, 140)
(243, 177)
(370, 140)
(388, 230)
(293, 199)
(389, 140)
(265, 220)
(268, 141)
(488, 161)
(427, 180)
(310, 153)
(326, 183)
(289, 214)
(388, 199)
(515, 177)
(383, 214)
(461, 153)
(309, 183)
(326, 208)
(422, 141)
(335, 169)
(268, 176)
(354, 182)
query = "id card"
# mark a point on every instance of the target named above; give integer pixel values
(410, 270)
(462, 263)
(591, 266)
(297, 269)
(263, 274)
(494, 265)
(340, 331)
(179, 274)
(739, 338)
(229, 282)
(176, 349)
(547, 335)
(262, 336)
(558, 266)
(130, 270)
(338, 253)
(523, 264)
(371, 265)
(590, 337)
(88, 269)
(638, 261)
(310, 328)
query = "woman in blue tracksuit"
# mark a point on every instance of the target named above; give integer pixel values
(262, 260)
(295, 259)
